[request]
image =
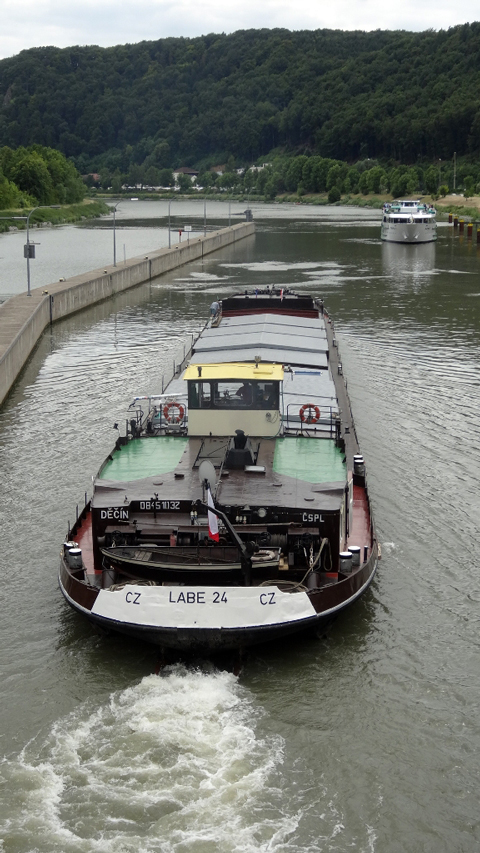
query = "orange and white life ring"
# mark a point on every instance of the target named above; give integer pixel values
(313, 415)
(173, 412)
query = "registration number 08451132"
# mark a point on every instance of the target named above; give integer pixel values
(159, 505)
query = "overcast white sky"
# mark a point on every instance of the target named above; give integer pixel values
(35, 23)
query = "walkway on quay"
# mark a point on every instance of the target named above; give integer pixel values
(23, 318)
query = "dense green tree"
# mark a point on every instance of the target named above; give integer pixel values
(333, 108)
(270, 189)
(334, 194)
(205, 179)
(105, 179)
(399, 185)
(331, 95)
(136, 175)
(353, 177)
(319, 174)
(152, 176)
(376, 180)
(294, 172)
(30, 173)
(42, 173)
(336, 175)
(262, 177)
(248, 180)
(363, 183)
(10, 196)
(431, 179)
(116, 182)
(184, 183)
(229, 180)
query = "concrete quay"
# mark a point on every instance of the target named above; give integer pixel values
(23, 318)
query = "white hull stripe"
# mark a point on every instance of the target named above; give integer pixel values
(208, 608)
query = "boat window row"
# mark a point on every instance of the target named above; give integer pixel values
(233, 394)
(402, 220)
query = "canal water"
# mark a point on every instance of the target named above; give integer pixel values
(364, 740)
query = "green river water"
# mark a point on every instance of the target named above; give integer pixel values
(365, 740)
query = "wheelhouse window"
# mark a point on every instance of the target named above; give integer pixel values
(233, 394)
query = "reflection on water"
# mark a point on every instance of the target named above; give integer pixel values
(414, 262)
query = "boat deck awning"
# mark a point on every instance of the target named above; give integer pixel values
(275, 338)
(234, 370)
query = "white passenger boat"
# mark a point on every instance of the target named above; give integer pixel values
(409, 222)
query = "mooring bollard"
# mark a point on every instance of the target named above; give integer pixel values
(450, 217)
(455, 222)
(469, 229)
(462, 226)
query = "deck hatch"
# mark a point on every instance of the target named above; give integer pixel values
(145, 457)
(308, 459)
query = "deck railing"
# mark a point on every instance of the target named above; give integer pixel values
(314, 415)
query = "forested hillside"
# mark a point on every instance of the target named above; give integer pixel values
(344, 95)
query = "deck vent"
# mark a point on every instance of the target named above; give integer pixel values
(355, 552)
(345, 561)
(240, 453)
(359, 465)
(74, 557)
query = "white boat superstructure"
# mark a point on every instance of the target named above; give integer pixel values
(409, 222)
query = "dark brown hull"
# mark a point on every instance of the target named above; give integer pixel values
(310, 514)
(328, 602)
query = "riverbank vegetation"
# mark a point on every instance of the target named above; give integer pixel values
(312, 179)
(60, 215)
(41, 183)
(37, 175)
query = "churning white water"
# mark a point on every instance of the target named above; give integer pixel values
(172, 764)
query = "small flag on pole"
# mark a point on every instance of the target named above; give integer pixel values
(212, 520)
(281, 295)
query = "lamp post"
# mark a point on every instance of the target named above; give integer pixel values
(439, 173)
(29, 252)
(169, 237)
(26, 248)
(114, 208)
(29, 248)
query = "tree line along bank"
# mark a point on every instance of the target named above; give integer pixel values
(301, 175)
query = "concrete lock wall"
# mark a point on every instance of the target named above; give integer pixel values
(23, 318)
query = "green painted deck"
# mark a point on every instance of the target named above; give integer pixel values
(145, 457)
(309, 459)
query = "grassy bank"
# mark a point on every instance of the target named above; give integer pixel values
(457, 205)
(55, 216)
